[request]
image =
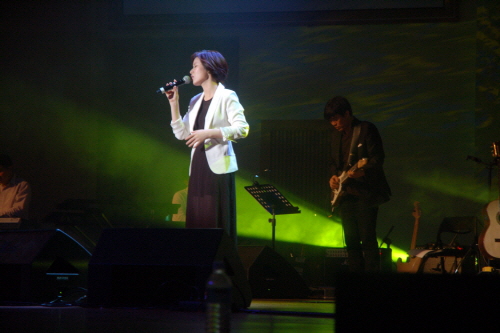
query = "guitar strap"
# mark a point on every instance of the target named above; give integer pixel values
(354, 143)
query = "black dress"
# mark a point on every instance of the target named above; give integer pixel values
(211, 199)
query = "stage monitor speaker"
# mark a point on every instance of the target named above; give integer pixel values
(416, 303)
(325, 264)
(161, 267)
(40, 265)
(270, 275)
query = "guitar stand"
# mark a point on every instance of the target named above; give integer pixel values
(474, 253)
(273, 201)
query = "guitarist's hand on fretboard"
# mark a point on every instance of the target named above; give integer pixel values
(334, 182)
(337, 181)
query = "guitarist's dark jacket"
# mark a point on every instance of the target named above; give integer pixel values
(373, 187)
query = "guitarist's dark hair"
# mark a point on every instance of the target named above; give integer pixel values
(5, 161)
(337, 105)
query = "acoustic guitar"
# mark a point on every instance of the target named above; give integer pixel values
(489, 240)
(413, 262)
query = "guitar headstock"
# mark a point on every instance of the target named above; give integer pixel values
(495, 149)
(416, 210)
(362, 162)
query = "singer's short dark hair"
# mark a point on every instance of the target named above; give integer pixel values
(337, 105)
(214, 63)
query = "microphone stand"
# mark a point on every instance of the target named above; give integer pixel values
(386, 239)
(489, 166)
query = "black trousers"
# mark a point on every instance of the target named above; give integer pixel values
(359, 221)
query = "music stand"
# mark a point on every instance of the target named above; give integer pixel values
(273, 201)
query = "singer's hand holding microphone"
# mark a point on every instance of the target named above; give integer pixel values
(169, 90)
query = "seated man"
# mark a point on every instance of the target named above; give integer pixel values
(15, 193)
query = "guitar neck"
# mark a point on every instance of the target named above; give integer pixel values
(416, 214)
(343, 177)
(496, 155)
(498, 176)
(413, 244)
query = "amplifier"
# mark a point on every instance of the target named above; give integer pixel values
(336, 253)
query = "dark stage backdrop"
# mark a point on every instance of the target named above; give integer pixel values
(81, 118)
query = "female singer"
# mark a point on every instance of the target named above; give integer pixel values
(215, 118)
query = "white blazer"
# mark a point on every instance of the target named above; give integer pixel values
(225, 113)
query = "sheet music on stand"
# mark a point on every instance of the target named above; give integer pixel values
(273, 201)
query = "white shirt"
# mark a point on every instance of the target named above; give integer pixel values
(15, 198)
(225, 113)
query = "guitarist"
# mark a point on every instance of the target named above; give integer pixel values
(365, 188)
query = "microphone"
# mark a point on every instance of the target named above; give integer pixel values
(185, 79)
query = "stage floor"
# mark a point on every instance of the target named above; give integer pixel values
(291, 316)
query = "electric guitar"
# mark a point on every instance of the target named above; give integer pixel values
(413, 262)
(489, 240)
(342, 178)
